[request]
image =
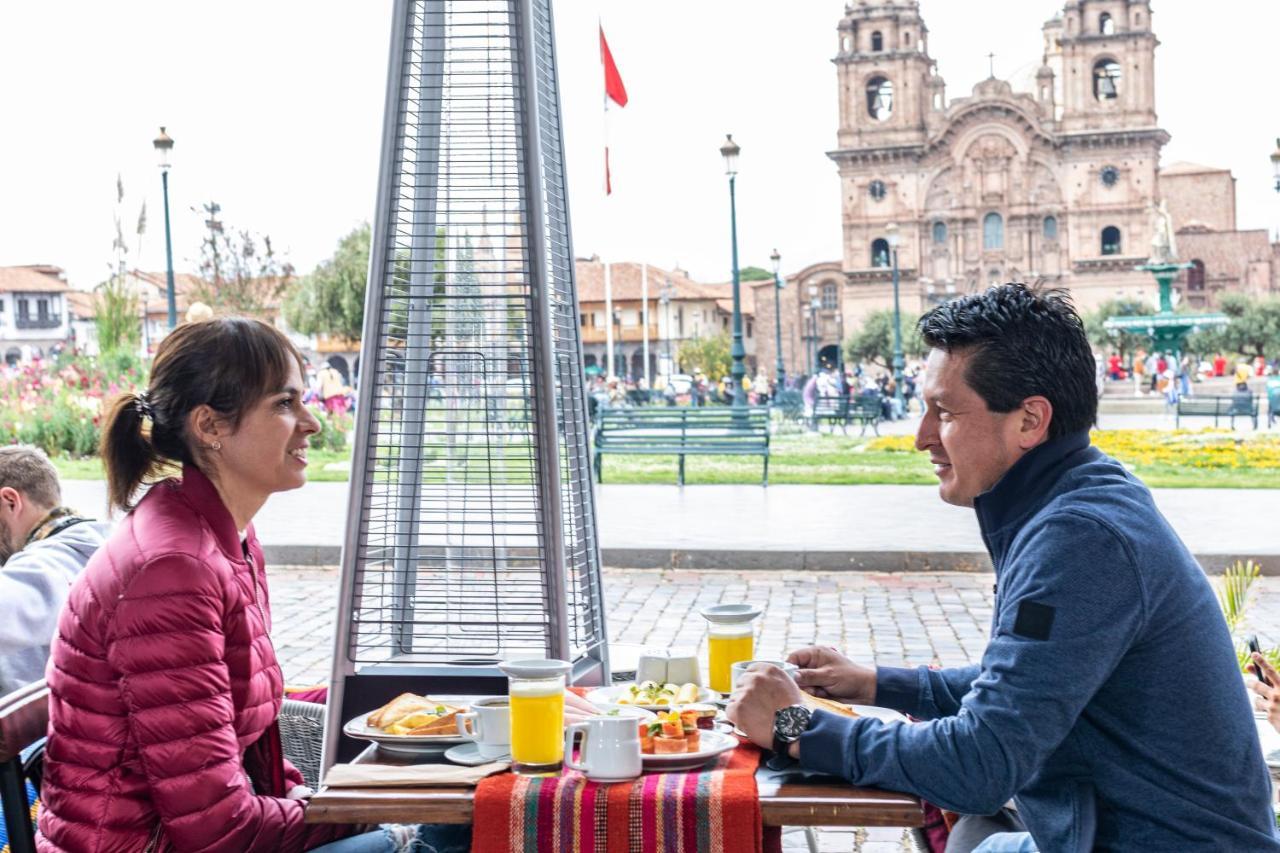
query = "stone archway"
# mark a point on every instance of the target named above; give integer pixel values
(829, 356)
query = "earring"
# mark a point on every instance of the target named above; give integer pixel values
(217, 445)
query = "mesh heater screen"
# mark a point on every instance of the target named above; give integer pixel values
(472, 320)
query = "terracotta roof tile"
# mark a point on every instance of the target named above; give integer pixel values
(32, 279)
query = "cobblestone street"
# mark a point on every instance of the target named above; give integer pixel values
(889, 618)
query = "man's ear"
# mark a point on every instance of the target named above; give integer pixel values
(11, 500)
(1037, 414)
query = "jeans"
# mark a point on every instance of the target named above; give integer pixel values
(431, 838)
(1007, 842)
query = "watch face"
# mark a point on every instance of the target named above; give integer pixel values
(790, 723)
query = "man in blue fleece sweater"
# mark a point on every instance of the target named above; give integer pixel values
(1108, 704)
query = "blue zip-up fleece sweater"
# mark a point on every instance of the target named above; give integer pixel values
(1108, 704)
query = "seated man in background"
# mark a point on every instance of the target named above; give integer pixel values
(1108, 704)
(43, 546)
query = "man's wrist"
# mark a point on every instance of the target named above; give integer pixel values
(793, 749)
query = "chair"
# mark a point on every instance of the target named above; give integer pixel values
(24, 718)
(302, 737)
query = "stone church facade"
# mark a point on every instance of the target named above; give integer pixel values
(1056, 186)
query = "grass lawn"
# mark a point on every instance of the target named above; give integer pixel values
(808, 459)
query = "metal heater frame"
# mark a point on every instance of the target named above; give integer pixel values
(359, 686)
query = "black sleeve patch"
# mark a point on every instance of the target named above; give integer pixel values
(1035, 620)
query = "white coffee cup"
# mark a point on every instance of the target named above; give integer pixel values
(488, 723)
(610, 749)
(737, 669)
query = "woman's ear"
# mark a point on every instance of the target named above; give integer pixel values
(206, 428)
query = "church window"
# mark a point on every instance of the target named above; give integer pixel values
(880, 252)
(1195, 275)
(1106, 25)
(1051, 228)
(906, 39)
(993, 231)
(1111, 240)
(876, 190)
(877, 42)
(1110, 175)
(830, 297)
(939, 232)
(1106, 79)
(879, 98)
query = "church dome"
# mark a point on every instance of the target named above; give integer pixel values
(1045, 73)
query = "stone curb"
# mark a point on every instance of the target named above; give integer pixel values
(745, 561)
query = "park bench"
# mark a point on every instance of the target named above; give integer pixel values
(681, 431)
(1239, 406)
(867, 410)
(834, 410)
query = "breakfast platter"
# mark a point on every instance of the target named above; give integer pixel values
(410, 724)
(653, 696)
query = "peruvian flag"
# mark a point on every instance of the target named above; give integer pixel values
(614, 91)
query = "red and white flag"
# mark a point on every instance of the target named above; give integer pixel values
(614, 91)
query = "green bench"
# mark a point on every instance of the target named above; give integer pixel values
(680, 431)
(1239, 406)
(863, 409)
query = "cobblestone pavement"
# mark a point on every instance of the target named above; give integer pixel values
(927, 618)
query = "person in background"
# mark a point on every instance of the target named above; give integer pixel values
(333, 391)
(1139, 373)
(164, 685)
(43, 546)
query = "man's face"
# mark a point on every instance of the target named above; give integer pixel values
(970, 446)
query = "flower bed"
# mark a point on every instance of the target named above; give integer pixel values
(1207, 449)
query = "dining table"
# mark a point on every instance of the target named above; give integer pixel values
(789, 796)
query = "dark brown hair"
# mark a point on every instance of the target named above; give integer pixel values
(228, 364)
(27, 470)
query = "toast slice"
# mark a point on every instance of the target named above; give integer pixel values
(446, 724)
(399, 708)
(819, 703)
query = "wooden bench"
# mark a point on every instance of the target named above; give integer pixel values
(867, 410)
(1239, 406)
(833, 410)
(681, 431)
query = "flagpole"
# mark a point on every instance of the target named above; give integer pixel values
(608, 321)
(644, 320)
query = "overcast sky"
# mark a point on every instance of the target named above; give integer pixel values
(275, 107)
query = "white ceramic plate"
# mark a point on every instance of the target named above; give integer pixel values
(468, 755)
(640, 713)
(610, 696)
(712, 742)
(359, 729)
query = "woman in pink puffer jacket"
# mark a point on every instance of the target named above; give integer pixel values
(164, 686)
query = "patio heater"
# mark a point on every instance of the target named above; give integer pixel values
(471, 534)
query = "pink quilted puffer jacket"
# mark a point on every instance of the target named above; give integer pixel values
(161, 675)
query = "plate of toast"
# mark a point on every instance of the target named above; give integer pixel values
(410, 723)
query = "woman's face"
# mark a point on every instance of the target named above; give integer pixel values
(267, 453)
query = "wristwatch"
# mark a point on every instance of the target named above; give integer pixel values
(788, 724)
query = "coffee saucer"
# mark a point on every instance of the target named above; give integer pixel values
(468, 755)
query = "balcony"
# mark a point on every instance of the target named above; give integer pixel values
(40, 321)
(628, 334)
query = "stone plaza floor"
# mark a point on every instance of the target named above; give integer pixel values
(911, 618)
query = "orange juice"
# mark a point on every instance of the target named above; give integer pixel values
(537, 723)
(728, 644)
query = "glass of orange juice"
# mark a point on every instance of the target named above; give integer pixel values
(536, 688)
(730, 639)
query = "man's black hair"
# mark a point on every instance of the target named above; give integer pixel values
(1021, 343)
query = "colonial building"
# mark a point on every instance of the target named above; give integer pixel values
(1057, 185)
(33, 311)
(679, 309)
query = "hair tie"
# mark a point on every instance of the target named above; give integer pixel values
(143, 406)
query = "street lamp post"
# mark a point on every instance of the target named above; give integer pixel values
(780, 369)
(621, 371)
(1275, 168)
(730, 152)
(893, 238)
(667, 291)
(813, 312)
(163, 145)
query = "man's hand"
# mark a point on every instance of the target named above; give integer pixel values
(1268, 700)
(762, 690)
(825, 672)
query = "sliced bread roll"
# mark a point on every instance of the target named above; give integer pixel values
(399, 708)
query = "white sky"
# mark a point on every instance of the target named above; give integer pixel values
(275, 106)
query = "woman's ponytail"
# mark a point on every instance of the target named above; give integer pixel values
(127, 453)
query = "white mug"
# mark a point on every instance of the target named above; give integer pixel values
(736, 670)
(610, 748)
(488, 723)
